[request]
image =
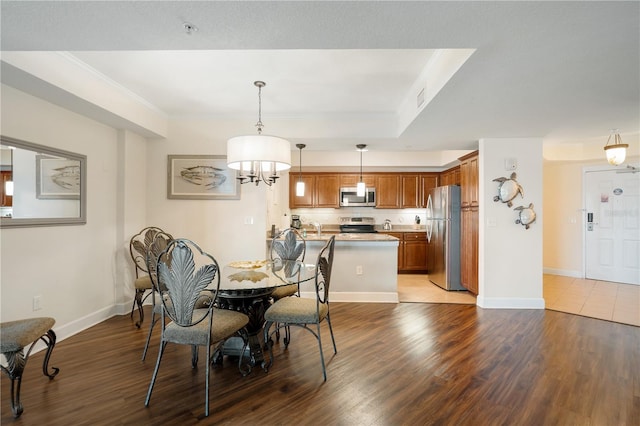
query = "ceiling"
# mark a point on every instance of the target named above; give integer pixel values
(341, 73)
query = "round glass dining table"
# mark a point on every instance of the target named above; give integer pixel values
(246, 286)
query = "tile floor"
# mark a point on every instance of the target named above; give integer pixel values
(590, 298)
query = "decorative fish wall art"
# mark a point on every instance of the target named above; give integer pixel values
(67, 177)
(207, 176)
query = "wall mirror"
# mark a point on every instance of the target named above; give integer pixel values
(41, 186)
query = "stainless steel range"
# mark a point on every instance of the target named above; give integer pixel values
(357, 225)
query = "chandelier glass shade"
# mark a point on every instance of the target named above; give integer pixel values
(258, 157)
(617, 151)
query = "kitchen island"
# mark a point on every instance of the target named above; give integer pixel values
(364, 267)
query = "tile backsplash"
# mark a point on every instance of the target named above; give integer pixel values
(332, 216)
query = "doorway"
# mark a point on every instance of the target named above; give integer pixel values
(612, 227)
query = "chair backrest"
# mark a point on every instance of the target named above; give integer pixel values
(186, 271)
(288, 245)
(323, 270)
(139, 247)
(160, 242)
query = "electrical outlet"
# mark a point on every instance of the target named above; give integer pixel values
(359, 270)
(37, 303)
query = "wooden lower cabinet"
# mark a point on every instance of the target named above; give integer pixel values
(412, 251)
(415, 252)
(469, 249)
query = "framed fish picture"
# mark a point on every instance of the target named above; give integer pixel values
(201, 177)
(57, 178)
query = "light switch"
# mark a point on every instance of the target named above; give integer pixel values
(248, 220)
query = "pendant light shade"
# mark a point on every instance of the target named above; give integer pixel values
(258, 157)
(616, 152)
(360, 187)
(300, 183)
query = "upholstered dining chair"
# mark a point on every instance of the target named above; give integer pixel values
(305, 312)
(139, 248)
(159, 243)
(287, 245)
(14, 337)
(186, 272)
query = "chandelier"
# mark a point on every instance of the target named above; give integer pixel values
(617, 151)
(258, 157)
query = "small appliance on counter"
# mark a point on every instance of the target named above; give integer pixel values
(361, 225)
(387, 225)
(295, 221)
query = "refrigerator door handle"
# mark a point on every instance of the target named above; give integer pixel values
(429, 221)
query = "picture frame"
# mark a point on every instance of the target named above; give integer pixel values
(57, 178)
(201, 177)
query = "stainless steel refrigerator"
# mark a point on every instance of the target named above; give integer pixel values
(443, 237)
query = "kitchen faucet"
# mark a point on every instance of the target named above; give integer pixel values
(318, 227)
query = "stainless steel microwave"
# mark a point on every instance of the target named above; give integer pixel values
(349, 197)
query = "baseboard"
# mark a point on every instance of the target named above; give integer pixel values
(562, 272)
(76, 326)
(509, 303)
(360, 297)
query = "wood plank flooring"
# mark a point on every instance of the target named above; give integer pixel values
(397, 364)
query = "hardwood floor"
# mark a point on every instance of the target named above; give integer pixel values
(397, 364)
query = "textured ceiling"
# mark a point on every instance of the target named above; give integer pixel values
(563, 71)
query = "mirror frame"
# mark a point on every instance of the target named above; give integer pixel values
(12, 222)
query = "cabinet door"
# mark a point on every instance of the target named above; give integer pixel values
(469, 249)
(410, 191)
(352, 180)
(427, 183)
(473, 181)
(415, 251)
(388, 192)
(6, 200)
(309, 190)
(327, 191)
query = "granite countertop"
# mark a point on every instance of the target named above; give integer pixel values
(379, 237)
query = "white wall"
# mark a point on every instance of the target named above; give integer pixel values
(71, 267)
(218, 226)
(510, 256)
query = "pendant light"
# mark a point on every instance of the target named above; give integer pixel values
(360, 187)
(616, 152)
(258, 157)
(300, 183)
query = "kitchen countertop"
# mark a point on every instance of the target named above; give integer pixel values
(380, 237)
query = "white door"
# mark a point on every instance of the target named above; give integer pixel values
(612, 226)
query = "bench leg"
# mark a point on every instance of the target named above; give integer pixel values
(17, 361)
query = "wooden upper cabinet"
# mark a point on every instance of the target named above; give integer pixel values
(388, 191)
(415, 189)
(469, 179)
(309, 190)
(450, 177)
(411, 194)
(327, 191)
(352, 180)
(320, 190)
(427, 183)
(6, 200)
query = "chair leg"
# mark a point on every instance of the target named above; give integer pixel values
(269, 343)
(206, 401)
(155, 373)
(17, 361)
(333, 340)
(138, 302)
(146, 345)
(324, 370)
